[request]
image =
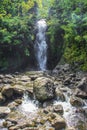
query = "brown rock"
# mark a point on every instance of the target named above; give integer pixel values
(7, 91)
(58, 123)
(59, 94)
(4, 111)
(75, 101)
(58, 109)
(80, 93)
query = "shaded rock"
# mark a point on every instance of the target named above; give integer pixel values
(83, 84)
(18, 90)
(4, 111)
(7, 91)
(75, 101)
(2, 99)
(59, 94)
(80, 93)
(43, 89)
(58, 109)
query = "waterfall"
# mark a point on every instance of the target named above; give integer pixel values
(41, 45)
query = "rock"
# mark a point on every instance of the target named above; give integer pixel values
(43, 89)
(83, 84)
(7, 91)
(18, 90)
(13, 105)
(1, 76)
(67, 81)
(58, 109)
(58, 123)
(4, 111)
(80, 93)
(70, 128)
(14, 128)
(75, 101)
(18, 101)
(2, 99)
(59, 94)
(8, 124)
(25, 78)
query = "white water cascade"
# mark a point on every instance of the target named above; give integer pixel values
(41, 45)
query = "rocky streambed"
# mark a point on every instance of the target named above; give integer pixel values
(49, 100)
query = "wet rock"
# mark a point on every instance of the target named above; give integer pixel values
(80, 93)
(83, 84)
(4, 111)
(58, 123)
(2, 99)
(59, 94)
(75, 101)
(58, 109)
(7, 91)
(43, 89)
(13, 105)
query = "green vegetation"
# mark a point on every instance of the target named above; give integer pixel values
(69, 20)
(16, 29)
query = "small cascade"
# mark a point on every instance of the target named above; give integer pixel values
(41, 45)
(71, 114)
(28, 105)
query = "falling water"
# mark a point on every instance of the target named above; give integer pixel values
(41, 45)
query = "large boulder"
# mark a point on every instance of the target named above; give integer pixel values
(83, 84)
(43, 89)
